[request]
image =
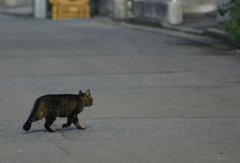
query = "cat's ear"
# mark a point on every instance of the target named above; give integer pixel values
(80, 92)
(88, 93)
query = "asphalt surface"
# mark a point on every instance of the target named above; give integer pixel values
(159, 95)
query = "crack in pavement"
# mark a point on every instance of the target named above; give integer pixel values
(61, 148)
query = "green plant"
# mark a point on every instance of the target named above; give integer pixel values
(232, 24)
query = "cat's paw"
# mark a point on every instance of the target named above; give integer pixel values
(65, 125)
(80, 127)
(51, 130)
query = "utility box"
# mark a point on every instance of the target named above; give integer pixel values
(40, 9)
(120, 9)
(70, 9)
(174, 12)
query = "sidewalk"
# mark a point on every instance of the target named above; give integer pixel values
(200, 25)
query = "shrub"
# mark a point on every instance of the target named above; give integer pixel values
(232, 24)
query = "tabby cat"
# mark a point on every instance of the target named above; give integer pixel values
(62, 105)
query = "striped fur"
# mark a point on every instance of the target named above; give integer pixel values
(63, 105)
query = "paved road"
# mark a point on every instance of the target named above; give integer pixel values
(160, 96)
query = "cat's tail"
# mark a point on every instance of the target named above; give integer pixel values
(32, 117)
(27, 125)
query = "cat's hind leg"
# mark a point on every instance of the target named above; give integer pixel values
(77, 124)
(69, 122)
(49, 122)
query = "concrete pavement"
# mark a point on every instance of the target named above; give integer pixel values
(159, 96)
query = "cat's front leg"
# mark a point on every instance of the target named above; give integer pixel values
(77, 124)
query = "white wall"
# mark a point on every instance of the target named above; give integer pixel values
(198, 6)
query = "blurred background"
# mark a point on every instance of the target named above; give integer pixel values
(111, 7)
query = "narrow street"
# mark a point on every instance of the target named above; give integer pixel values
(159, 95)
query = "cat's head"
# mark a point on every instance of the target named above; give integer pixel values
(86, 98)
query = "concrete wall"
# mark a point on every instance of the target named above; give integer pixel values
(162, 11)
(113, 8)
(198, 6)
(156, 11)
(106, 7)
(16, 7)
(12, 3)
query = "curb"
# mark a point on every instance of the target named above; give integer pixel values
(206, 37)
(185, 30)
(209, 31)
(214, 33)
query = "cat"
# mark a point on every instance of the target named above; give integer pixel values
(59, 105)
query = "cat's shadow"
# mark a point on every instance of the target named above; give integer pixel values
(58, 130)
(35, 131)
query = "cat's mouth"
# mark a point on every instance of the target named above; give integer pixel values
(92, 107)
